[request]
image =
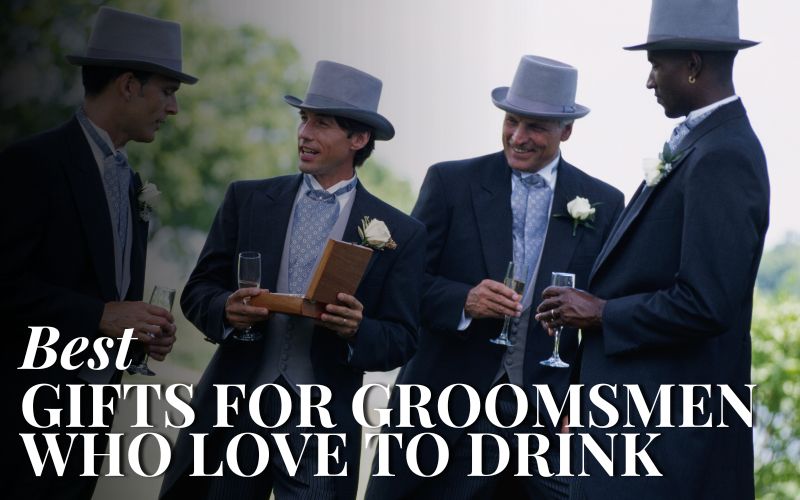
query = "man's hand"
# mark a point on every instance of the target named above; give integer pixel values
(239, 314)
(144, 318)
(566, 306)
(160, 345)
(491, 299)
(345, 318)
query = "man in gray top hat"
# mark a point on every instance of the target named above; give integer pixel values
(671, 292)
(288, 221)
(74, 258)
(480, 214)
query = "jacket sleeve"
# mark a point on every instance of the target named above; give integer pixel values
(442, 299)
(212, 280)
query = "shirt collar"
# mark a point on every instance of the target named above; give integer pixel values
(706, 110)
(548, 172)
(332, 189)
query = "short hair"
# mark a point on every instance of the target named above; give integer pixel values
(352, 126)
(97, 78)
(721, 63)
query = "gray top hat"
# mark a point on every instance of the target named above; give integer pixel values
(132, 41)
(340, 90)
(694, 25)
(542, 88)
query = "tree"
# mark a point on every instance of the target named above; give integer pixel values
(776, 371)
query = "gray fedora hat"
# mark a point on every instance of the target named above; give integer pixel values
(694, 25)
(132, 41)
(340, 90)
(542, 88)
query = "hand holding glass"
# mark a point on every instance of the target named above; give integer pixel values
(162, 297)
(558, 279)
(249, 276)
(514, 280)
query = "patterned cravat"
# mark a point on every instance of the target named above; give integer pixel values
(315, 215)
(116, 180)
(530, 207)
(683, 129)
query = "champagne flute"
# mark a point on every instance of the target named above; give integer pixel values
(162, 297)
(249, 276)
(515, 281)
(558, 279)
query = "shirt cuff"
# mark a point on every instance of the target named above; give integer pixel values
(464, 323)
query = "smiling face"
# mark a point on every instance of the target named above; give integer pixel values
(148, 107)
(531, 143)
(669, 79)
(325, 149)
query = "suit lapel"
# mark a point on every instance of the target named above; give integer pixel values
(83, 176)
(363, 206)
(270, 226)
(139, 243)
(559, 245)
(491, 198)
(634, 210)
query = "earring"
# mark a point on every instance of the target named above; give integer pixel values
(692, 79)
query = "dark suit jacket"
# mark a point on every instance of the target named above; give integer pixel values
(679, 277)
(255, 216)
(466, 207)
(57, 261)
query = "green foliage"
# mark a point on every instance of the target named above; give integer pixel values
(776, 371)
(232, 125)
(780, 268)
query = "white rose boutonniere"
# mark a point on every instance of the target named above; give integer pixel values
(147, 196)
(375, 234)
(581, 212)
(656, 169)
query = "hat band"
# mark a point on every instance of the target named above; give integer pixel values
(332, 102)
(118, 54)
(538, 106)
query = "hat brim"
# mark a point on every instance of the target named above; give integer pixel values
(132, 65)
(499, 99)
(693, 44)
(383, 128)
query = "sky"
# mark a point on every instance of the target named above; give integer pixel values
(440, 59)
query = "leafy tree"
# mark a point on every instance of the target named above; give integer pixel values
(780, 268)
(776, 371)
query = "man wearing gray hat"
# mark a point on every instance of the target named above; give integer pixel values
(671, 292)
(288, 221)
(76, 235)
(480, 214)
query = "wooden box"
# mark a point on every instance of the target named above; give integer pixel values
(340, 270)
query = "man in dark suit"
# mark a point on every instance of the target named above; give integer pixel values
(480, 214)
(75, 240)
(671, 292)
(376, 329)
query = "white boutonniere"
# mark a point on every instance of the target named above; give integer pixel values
(375, 234)
(581, 212)
(148, 195)
(656, 169)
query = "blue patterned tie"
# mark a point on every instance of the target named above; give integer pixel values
(530, 207)
(315, 215)
(116, 180)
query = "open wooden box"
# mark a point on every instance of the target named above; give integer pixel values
(340, 270)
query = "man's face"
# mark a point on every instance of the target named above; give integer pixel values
(149, 106)
(324, 148)
(669, 78)
(532, 143)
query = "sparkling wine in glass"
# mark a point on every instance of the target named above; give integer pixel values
(514, 280)
(558, 279)
(162, 297)
(249, 277)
